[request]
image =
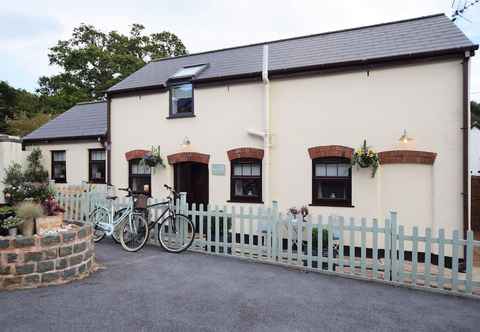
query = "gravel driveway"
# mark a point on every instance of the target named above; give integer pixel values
(155, 291)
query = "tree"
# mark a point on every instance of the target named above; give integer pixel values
(91, 61)
(17, 104)
(23, 125)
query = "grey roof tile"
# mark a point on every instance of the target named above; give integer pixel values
(82, 120)
(408, 37)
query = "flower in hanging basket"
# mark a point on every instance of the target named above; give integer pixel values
(153, 158)
(365, 157)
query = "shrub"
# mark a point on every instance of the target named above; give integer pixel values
(315, 238)
(31, 183)
(29, 210)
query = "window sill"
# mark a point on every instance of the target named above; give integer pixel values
(181, 116)
(244, 201)
(332, 204)
(59, 181)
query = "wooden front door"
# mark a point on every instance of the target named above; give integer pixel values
(192, 178)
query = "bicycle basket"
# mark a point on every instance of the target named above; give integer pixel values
(140, 201)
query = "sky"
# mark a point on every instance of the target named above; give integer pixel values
(29, 28)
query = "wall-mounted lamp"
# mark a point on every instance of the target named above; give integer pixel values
(405, 140)
(186, 143)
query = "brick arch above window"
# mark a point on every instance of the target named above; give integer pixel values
(188, 156)
(407, 157)
(330, 151)
(252, 153)
(135, 154)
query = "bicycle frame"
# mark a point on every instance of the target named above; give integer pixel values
(113, 222)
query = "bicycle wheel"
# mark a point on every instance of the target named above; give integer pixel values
(98, 216)
(134, 235)
(118, 229)
(176, 235)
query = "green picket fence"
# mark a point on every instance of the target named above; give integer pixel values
(367, 249)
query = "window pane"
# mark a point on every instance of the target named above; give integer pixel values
(98, 155)
(139, 183)
(237, 170)
(331, 169)
(247, 188)
(59, 171)
(139, 169)
(343, 169)
(59, 156)
(256, 170)
(98, 171)
(331, 190)
(182, 99)
(320, 170)
(246, 169)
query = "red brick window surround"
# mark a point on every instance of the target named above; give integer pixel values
(188, 156)
(407, 157)
(239, 153)
(324, 151)
(135, 154)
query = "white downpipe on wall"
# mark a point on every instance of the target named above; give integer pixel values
(267, 133)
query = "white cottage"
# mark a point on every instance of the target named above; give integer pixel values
(279, 121)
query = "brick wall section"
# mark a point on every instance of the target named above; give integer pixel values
(253, 153)
(407, 157)
(135, 154)
(330, 151)
(188, 156)
(27, 262)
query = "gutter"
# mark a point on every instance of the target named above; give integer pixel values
(465, 129)
(267, 132)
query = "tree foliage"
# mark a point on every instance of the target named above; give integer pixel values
(91, 61)
(23, 124)
(16, 104)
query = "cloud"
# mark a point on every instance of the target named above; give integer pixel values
(202, 25)
(19, 26)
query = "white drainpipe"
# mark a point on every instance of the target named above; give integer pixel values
(267, 133)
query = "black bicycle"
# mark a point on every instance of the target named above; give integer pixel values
(176, 231)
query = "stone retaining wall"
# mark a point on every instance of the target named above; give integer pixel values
(27, 262)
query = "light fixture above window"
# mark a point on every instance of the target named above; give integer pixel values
(405, 141)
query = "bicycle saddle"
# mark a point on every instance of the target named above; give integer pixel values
(112, 197)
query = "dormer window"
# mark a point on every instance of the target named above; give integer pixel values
(181, 91)
(181, 100)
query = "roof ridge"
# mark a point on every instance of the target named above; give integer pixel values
(90, 102)
(299, 37)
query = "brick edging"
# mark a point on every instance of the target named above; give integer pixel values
(407, 157)
(330, 151)
(135, 154)
(188, 156)
(27, 262)
(253, 153)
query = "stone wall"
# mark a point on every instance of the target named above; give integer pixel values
(44, 260)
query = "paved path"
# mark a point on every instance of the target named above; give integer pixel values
(155, 291)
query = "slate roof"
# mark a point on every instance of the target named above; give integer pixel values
(84, 120)
(434, 34)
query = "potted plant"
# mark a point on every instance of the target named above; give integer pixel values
(52, 218)
(153, 158)
(11, 225)
(366, 157)
(28, 211)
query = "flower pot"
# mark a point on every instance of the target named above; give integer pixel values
(48, 223)
(12, 231)
(26, 228)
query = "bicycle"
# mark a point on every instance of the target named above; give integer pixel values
(176, 231)
(125, 225)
